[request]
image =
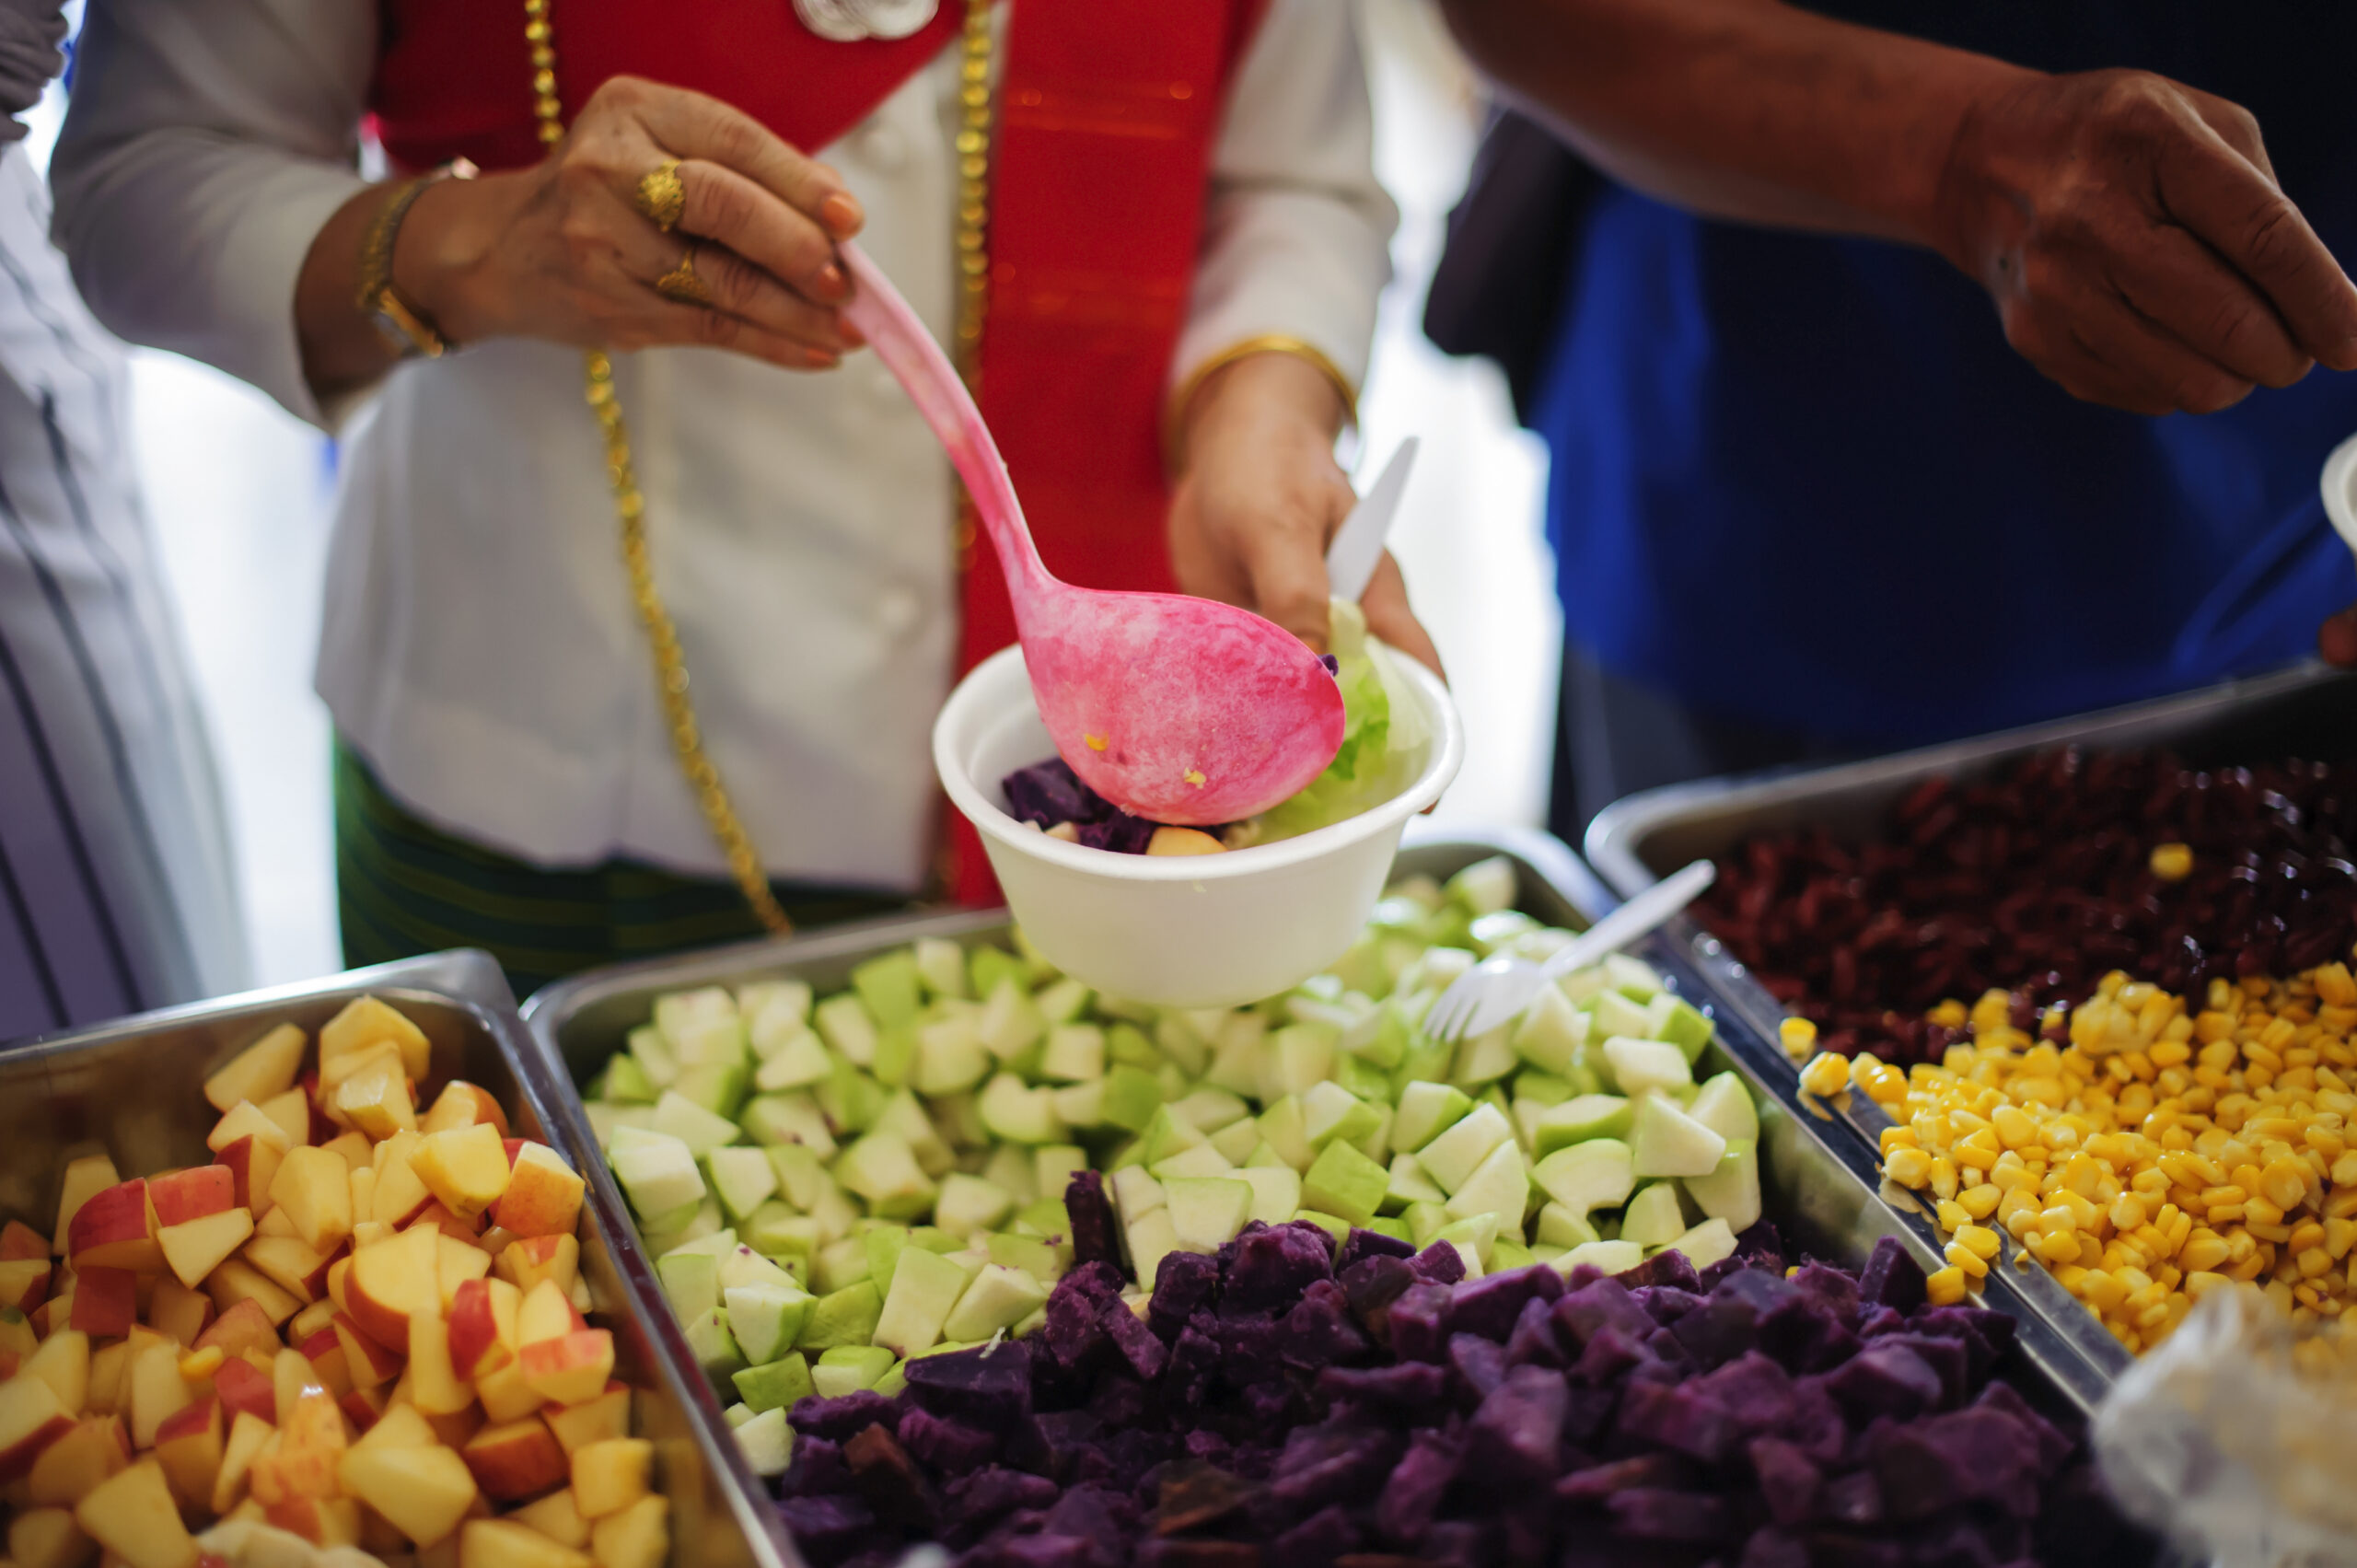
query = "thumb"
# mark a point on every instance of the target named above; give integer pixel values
(1287, 566)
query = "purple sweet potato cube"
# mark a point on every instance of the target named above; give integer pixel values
(1951, 1358)
(1924, 1465)
(1321, 1330)
(1752, 1389)
(1412, 1497)
(1773, 1547)
(1891, 1278)
(1440, 1263)
(2053, 1445)
(1371, 1286)
(1095, 1233)
(1316, 1541)
(1137, 1343)
(1361, 1244)
(1416, 1389)
(947, 1443)
(828, 1528)
(989, 1386)
(1070, 1334)
(837, 1419)
(1806, 1332)
(1273, 1265)
(1049, 793)
(1852, 1499)
(1184, 1283)
(1649, 1513)
(1597, 1482)
(1584, 1310)
(1418, 1323)
(1481, 1363)
(1836, 1287)
(1514, 1439)
(1667, 1266)
(1788, 1479)
(1534, 1341)
(1677, 1418)
(1611, 1353)
(1489, 1306)
(1883, 1379)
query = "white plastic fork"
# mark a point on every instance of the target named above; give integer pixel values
(1500, 986)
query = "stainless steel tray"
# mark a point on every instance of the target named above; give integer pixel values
(1633, 841)
(1818, 1174)
(135, 1088)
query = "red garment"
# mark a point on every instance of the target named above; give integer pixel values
(1108, 114)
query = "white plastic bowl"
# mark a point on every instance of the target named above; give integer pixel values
(2340, 490)
(1196, 931)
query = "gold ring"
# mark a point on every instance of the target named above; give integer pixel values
(682, 283)
(661, 196)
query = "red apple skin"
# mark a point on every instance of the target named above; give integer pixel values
(383, 1365)
(17, 1460)
(239, 1385)
(106, 1301)
(191, 1194)
(474, 1336)
(185, 1420)
(238, 1157)
(113, 1229)
(36, 1286)
(514, 1147)
(523, 1459)
(19, 1240)
(245, 1327)
(324, 1126)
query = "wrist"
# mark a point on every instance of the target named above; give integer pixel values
(442, 258)
(1265, 390)
(1974, 182)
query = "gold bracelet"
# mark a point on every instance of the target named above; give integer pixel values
(1174, 421)
(404, 326)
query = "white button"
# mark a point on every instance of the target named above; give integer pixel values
(897, 611)
(883, 146)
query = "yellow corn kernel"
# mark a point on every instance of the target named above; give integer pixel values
(1948, 1015)
(2102, 1290)
(2013, 1126)
(1981, 1239)
(1962, 1257)
(1827, 1075)
(2339, 1235)
(1892, 1138)
(1952, 1216)
(2315, 1260)
(1909, 1167)
(2304, 1236)
(2056, 1247)
(1945, 1287)
(2285, 1182)
(2202, 1252)
(1945, 1181)
(2127, 1212)
(1980, 1200)
(1798, 1037)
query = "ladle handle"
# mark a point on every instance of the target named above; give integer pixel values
(909, 352)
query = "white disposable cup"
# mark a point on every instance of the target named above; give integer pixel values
(1194, 931)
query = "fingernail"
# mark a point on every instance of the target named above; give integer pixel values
(842, 215)
(830, 279)
(851, 336)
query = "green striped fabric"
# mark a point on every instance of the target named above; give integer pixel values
(403, 887)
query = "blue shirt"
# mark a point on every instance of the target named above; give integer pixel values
(1805, 482)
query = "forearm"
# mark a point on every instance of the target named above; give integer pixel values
(1747, 109)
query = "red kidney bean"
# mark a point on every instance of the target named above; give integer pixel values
(2036, 882)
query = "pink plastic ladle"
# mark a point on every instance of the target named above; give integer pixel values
(1175, 709)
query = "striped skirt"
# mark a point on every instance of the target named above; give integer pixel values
(404, 888)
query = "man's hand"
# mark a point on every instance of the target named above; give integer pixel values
(2338, 640)
(1259, 495)
(2137, 248)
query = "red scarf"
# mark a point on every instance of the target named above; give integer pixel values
(1108, 113)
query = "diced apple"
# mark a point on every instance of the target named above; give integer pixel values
(376, 1098)
(189, 1446)
(64, 1363)
(505, 1396)
(638, 1537)
(157, 1390)
(544, 1314)
(177, 1310)
(291, 1109)
(19, 1241)
(399, 1194)
(435, 1385)
(365, 1362)
(465, 1167)
(366, 1023)
(237, 1280)
(252, 1164)
(475, 1346)
(194, 1248)
(325, 1522)
(191, 1194)
(242, 1327)
(525, 1263)
(264, 1068)
(610, 1475)
(357, 1154)
(246, 1120)
(47, 1537)
(556, 1518)
(457, 1263)
(70, 1469)
(248, 1435)
(516, 1459)
(244, 1389)
(133, 1516)
(24, 1282)
(310, 1445)
(500, 1543)
(592, 1420)
(570, 1369)
(115, 1229)
(391, 1280)
(462, 1104)
(543, 1195)
(423, 1493)
(84, 1178)
(105, 1301)
(314, 1187)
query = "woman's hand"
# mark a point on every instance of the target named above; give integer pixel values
(564, 253)
(2338, 639)
(1259, 495)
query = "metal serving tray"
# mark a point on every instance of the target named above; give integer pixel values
(137, 1088)
(1633, 841)
(1818, 1175)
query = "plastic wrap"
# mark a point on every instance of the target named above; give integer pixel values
(2236, 1437)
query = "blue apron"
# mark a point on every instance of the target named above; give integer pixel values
(1803, 483)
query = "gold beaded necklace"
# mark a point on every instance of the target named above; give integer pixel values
(630, 504)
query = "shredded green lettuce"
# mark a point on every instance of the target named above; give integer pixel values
(1384, 736)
